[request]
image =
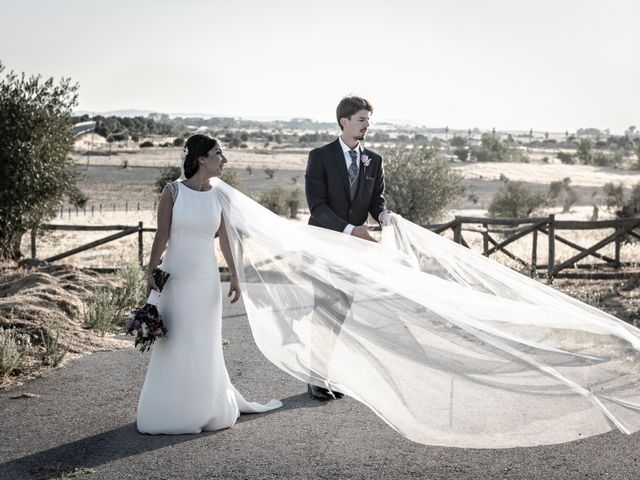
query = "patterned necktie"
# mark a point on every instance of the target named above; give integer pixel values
(353, 168)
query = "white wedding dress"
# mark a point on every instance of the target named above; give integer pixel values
(187, 387)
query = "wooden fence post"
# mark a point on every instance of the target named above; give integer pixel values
(485, 239)
(457, 231)
(552, 249)
(33, 243)
(140, 245)
(617, 250)
(534, 254)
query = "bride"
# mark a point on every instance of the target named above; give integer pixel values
(187, 387)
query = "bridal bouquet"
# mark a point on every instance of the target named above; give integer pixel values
(146, 323)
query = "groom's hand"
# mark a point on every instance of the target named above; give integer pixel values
(363, 233)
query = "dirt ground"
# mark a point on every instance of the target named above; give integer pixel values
(48, 302)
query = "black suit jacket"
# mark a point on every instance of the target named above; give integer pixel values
(328, 193)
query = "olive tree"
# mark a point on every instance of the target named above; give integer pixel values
(419, 184)
(562, 192)
(515, 200)
(36, 172)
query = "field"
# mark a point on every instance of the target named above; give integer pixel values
(112, 188)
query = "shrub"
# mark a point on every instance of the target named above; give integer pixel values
(77, 197)
(108, 308)
(178, 142)
(566, 158)
(270, 172)
(167, 174)
(231, 177)
(146, 144)
(293, 202)
(54, 351)
(617, 200)
(562, 191)
(13, 351)
(585, 151)
(275, 200)
(600, 159)
(101, 310)
(131, 288)
(614, 195)
(462, 154)
(458, 142)
(492, 149)
(419, 183)
(515, 200)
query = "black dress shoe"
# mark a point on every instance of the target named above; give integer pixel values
(337, 394)
(320, 393)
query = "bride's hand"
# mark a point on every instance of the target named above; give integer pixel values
(234, 288)
(151, 284)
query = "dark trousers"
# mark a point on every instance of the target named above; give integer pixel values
(331, 307)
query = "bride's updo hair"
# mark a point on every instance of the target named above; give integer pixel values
(196, 146)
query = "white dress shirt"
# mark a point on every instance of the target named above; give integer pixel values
(347, 158)
(345, 152)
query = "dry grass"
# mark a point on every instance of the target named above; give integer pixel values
(47, 304)
(290, 159)
(542, 173)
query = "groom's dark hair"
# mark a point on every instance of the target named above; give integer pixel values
(197, 145)
(350, 105)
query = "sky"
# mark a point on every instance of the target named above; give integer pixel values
(550, 65)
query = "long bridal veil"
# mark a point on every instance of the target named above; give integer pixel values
(447, 346)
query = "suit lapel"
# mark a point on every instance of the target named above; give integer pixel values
(342, 167)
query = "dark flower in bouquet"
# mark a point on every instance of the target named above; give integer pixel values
(146, 323)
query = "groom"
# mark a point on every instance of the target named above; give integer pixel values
(344, 183)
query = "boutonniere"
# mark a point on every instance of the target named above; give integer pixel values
(365, 160)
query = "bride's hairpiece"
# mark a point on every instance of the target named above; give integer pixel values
(184, 154)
